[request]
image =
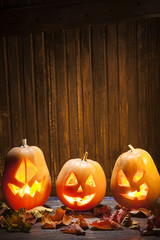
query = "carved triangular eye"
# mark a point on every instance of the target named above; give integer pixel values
(139, 174)
(90, 181)
(26, 171)
(122, 180)
(72, 179)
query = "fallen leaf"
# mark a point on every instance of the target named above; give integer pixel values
(157, 221)
(82, 222)
(30, 218)
(106, 224)
(101, 210)
(67, 219)
(156, 232)
(58, 215)
(74, 229)
(118, 215)
(37, 212)
(57, 220)
(127, 221)
(16, 222)
(140, 213)
(134, 225)
(2, 210)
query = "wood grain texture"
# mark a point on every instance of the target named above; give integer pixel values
(113, 96)
(94, 88)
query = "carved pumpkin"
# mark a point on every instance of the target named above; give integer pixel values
(135, 180)
(26, 180)
(81, 184)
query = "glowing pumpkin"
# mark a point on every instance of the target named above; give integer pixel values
(26, 180)
(81, 184)
(135, 180)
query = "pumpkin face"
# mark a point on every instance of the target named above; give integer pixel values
(81, 184)
(135, 180)
(26, 180)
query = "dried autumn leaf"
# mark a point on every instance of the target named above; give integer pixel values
(37, 212)
(82, 222)
(47, 221)
(134, 225)
(156, 232)
(30, 218)
(157, 221)
(16, 222)
(2, 220)
(2, 210)
(106, 224)
(74, 229)
(101, 210)
(140, 213)
(57, 220)
(118, 215)
(127, 221)
(58, 215)
(67, 219)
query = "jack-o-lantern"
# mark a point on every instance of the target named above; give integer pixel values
(135, 180)
(26, 181)
(81, 184)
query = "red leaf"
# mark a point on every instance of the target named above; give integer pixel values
(82, 222)
(74, 229)
(106, 224)
(102, 210)
(118, 215)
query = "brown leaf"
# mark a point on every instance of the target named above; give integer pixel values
(57, 220)
(156, 232)
(118, 215)
(16, 222)
(101, 210)
(2, 220)
(140, 213)
(2, 210)
(48, 222)
(50, 225)
(67, 219)
(82, 222)
(157, 221)
(74, 229)
(134, 225)
(30, 218)
(127, 221)
(106, 224)
(58, 215)
(37, 212)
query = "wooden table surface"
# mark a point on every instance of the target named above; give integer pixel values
(37, 233)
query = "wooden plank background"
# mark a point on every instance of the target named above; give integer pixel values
(93, 87)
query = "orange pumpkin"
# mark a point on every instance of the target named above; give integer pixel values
(26, 181)
(81, 184)
(135, 180)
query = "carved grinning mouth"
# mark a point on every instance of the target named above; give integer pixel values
(139, 195)
(78, 200)
(36, 187)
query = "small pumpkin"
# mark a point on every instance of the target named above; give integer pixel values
(135, 181)
(81, 184)
(26, 181)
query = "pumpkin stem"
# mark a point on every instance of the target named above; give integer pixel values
(131, 147)
(84, 158)
(24, 143)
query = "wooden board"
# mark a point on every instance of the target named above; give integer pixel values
(93, 88)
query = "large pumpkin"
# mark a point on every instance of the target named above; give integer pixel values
(26, 180)
(135, 180)
(81, 184)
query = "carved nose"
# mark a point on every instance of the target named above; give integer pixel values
(80, 189)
